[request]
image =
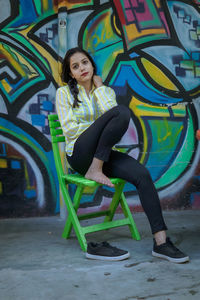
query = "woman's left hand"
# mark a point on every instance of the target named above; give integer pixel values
(97, 81)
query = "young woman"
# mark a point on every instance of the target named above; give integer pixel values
(93, 123)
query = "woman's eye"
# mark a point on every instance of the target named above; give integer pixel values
(75, 67)
(85, 62)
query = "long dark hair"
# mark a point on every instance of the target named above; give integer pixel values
(65, 74)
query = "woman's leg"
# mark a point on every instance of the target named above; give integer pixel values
(124, 166)
(94, 145)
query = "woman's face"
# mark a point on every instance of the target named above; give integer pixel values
(81, 68)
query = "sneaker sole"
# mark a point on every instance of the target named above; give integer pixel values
(171, 259)
(108, 258)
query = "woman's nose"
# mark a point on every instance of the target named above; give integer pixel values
(82, 67)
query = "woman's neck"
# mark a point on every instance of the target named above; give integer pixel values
(87, 86)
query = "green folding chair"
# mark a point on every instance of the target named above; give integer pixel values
(73, 219)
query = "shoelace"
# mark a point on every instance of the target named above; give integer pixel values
(106, 244)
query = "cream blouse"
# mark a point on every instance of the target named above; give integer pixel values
(74, 121)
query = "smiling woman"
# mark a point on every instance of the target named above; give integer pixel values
(93, 123)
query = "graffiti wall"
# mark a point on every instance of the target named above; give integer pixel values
(28, 80)
(148, 51)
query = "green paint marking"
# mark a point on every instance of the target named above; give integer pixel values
(197, 71)
(38, 6)
(180, 112)
(187, 64)
(193, 35)
(156, 18)
(182, 160)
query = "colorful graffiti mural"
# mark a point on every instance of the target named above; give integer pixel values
(142, 51)
(28, 80)
(147, 50)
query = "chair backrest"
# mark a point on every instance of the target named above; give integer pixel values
(56, 138)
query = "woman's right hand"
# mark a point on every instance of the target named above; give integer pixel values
(97, 81)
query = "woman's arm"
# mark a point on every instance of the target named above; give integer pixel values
(105, 96)
(71, 128)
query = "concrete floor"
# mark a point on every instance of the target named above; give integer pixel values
(37, 264)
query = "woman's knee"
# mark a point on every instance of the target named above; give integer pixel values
(124, 110)
(144, 176)
(124, 114)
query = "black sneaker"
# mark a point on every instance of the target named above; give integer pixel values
(104, 251)
(170, 252)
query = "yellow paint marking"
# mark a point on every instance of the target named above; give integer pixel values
(158, 76)
(132, 32)
(6, 86)
(12, 60)
(3, 163)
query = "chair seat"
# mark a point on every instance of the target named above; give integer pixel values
(81, 180)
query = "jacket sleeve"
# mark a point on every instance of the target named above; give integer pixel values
(70, 126)
(105, 98)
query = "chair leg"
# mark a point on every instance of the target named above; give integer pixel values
(115, 202)
(126, 210)
(73, 219)
(119, 197)
(76, 203)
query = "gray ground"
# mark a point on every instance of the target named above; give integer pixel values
(36, 263)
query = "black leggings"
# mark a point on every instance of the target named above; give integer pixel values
(97, 141)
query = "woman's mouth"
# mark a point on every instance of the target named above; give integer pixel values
(84, 74)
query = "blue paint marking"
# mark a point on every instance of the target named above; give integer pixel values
(30, 194)
(38, 120)
(133, 54)
(2, 149)
(196, 56)
(47, 105)
(15, 164)
(127, 75)
(27, 13)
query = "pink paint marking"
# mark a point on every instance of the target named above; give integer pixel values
(127, 4)
(146, 15)
(162, 16)
(129, 15)
(134, 3)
